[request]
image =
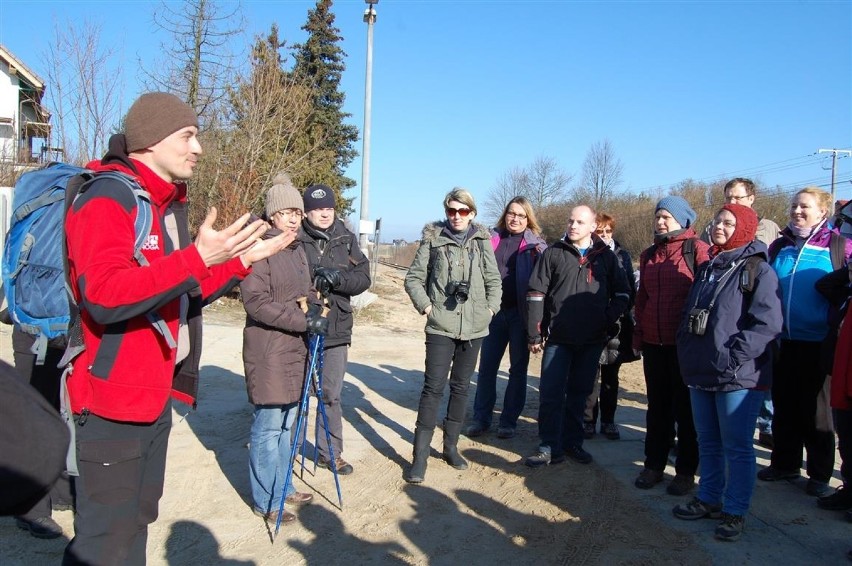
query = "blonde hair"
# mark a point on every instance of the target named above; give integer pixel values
(461, 195)
(532, 223)
(822, 198)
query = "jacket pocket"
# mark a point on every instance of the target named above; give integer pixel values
(110, 468)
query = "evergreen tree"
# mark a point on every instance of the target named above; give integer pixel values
(319, 61)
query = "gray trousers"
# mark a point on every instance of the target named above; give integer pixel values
(333, 370)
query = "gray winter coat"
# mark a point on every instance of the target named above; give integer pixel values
(274, 344)
(440, 261)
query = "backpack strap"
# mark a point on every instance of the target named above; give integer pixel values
(748, 274)
(837, 249)
(688, 251)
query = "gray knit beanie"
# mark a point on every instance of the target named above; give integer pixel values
(154, 117)
(282, 195)
(679, 209)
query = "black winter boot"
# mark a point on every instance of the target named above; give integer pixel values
(451, 438)
(422, 440)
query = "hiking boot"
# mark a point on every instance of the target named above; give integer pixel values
(344, 468)
(539, 459)
(43, 527)
(774, 474)
(765, 440)
(680, 485)
(579, 455)
(451, 455)
(648, 479)
(731, 527)
(297, 498)
(505, 432)
(840, 500)
(475, 429)
(697, 509)
(272, 516)
(817, 488)
(610, 430)
(588, 430)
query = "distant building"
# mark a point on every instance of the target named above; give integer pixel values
(24, 122)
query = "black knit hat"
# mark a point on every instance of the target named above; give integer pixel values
(318, 196)
(154, 117)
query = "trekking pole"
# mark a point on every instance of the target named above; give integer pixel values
(321, 408)
(300, 424)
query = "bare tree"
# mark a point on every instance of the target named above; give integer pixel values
(543, 182)
(197, 64)
(266, 112)
(84, 90)
(602, 173)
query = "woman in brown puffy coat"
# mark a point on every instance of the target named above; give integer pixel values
(274, 354)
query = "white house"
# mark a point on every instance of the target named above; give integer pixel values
(24, 122)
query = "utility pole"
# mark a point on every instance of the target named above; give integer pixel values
(834, 153)
(369, 19)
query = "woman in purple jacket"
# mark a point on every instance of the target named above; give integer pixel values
(517, 245)
(725, 345)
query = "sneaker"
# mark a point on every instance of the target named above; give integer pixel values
(818, 488)
(610, 430)
(272, 516)
(588, 430)
(297, 498)
(648, 479)
(765, 440)
(731, 527)
(579, 455)
(774, 474)
(840, 500)
(697, 509)
(43, 527)
(475, 429)
(540, 458)
(680, 485)
(343, 467)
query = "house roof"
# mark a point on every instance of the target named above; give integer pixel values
(24, 72)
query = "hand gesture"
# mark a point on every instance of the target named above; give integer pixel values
(262, 249)
(216, 247)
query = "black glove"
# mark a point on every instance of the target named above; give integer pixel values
(613, 330)
(326, 279)
(316, 323)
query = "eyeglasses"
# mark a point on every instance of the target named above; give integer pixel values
(737, 198)
(463, 212)
(603, 231)
(725, 223)
(290, 212)
(520, 216)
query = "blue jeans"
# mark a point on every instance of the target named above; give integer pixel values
(724, 422)
(506, 329)
(270, 454)
(567, 377)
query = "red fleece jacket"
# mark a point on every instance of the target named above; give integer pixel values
(126, 372)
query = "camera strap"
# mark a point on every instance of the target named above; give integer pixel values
(721, 282)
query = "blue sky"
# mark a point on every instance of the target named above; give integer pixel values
(465, 90)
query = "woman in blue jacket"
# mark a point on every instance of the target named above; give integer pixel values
(517, 245)
(725, 346)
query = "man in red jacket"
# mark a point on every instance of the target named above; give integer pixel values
(121, 384)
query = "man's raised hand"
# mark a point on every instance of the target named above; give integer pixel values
(217, 247)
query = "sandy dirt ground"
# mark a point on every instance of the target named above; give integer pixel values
(498, 511)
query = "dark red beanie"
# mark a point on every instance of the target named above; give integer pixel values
(746, 225)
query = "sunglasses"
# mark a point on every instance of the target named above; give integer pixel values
(463, 212)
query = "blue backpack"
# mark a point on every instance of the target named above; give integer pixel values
(34, 266)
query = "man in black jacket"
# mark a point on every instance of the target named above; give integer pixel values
(340, 270)
(576, 294)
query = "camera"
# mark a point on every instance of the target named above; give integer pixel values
(697, 322)
(459, 290)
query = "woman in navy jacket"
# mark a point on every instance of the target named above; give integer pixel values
(725, 344)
